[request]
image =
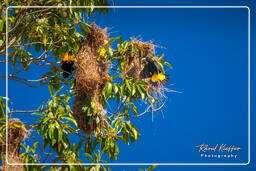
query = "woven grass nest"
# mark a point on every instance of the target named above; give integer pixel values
(134, 64)
(16, 134)
(135, 67)
(90, 78)
(92, 73)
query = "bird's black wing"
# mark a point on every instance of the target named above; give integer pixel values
(150, 68)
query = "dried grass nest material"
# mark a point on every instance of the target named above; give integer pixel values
(16, 134)
(90, 77)
(135, 68)
(90, 73)
(134, 65)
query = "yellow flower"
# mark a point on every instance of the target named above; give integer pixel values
(102, 52)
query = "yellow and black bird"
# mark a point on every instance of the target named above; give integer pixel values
(67, 64)
(153, 70)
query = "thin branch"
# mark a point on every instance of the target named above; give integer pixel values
(29, 60)
(12, 74)
(23, 79)
(33, 43)
(38, 11)
(45, 64)
(22, 17)
(28, 44)
(23, 82)
(150, 107)
(24, 111)
(119, 107)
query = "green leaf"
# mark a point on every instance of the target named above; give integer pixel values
(97, 120)
(51, 132)
(116, 149)
(89, 156)
(133, 49)
(108, 89)
(34, 147)
(167, 64)
(1, 25)
(135, 133)
(60, 134)
(39, 114)
(127, 83)
(115, 88)
(142, 94)
(72, 120)
(112, 40)
(151, 167)
(50, 87)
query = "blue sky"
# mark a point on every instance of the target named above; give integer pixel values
(209, 51)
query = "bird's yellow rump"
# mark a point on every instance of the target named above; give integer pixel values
(67, 57)
(158, 77)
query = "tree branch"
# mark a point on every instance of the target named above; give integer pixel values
(25, 111)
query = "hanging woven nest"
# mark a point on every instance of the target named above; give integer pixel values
(134, 59)
(90, 79)
(16, 134)
(141, 64)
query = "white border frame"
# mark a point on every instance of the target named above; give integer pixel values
(162, 164)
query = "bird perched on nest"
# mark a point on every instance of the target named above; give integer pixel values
(153, 69)
(67, 64)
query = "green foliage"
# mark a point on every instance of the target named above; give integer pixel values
(27, 157)
(52, 32)
(55, 123)
(149, 169)
(3, 108)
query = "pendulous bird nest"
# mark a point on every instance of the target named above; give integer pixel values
(93, 72)
(16, 134)
(134, 65)
(90, 79)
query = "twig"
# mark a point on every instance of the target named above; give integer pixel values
(28, 60)
(23, 79)
(23, 82)
(24, 111)
(119, 107)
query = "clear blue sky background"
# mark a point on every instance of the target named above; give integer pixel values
(209, 51)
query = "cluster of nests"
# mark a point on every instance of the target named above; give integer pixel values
(150, 70)
(90, 79)
(91, 75)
